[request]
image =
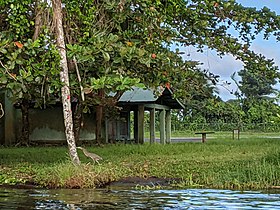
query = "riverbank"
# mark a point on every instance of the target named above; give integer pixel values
(219, 163)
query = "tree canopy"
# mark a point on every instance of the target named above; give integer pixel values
(113, 45)
(119, 39)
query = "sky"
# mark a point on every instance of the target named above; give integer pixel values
(226, 66)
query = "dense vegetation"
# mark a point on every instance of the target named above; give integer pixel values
(215, 114)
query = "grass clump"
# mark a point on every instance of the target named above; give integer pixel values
(219, 163)
(67, 175)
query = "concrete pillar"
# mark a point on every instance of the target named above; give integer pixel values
(128, 127)
(168, 126)
(162, 127)
(135, 127)
(152, 126)
(141, 124)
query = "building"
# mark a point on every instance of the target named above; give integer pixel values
(46, 125)
(137, 101)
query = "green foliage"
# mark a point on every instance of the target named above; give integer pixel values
(261, 111)
(29, 70)
(257, 80)
(17, 18)
(114, 83)
(133, 39)
(118, 38)
(119, 44)
(29, 65)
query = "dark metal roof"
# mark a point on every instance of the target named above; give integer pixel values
(138, 95)
(162, 96)
(166, 98)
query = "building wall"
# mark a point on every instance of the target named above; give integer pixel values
(2, 121)
(9, 123)
(48, 124)
(119, 128)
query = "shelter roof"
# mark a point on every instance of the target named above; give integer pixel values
(163, 96)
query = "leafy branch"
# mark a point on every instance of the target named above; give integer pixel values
(6, 69)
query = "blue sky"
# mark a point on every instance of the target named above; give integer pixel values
(228, 65)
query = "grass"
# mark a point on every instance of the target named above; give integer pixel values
(221, 134)
(225, 134)
(248, 163)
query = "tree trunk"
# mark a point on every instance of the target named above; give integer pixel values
(77, 118)
(38, 21)
(99, 116)
(99, 113)
(24, 139)
(64, 77)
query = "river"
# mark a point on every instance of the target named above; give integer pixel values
(124, 198)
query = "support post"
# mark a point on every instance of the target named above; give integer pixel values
(168, 126)
(152, 126)
(236, 133)
(118, 130)
(135, 127)
(141, 124)
(106, 131)
(203, 137)
(162, 127)
(128, 127)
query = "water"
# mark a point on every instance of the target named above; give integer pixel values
(119, 198)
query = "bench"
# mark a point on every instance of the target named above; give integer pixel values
(203, 135)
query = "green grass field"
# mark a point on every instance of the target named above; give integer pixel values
(226, 134)
(253, 162)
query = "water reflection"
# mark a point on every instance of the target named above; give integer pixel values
(118, 198)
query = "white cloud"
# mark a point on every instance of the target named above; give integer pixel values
(224, 67)
(269, 51)
(227, 65)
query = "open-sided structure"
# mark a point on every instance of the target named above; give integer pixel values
(138, 101)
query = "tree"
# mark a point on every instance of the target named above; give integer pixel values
(113, 52)
(130, 39)
(28, 68)
(30, 64)
(258, 81)
(256, 87)
(64, 77)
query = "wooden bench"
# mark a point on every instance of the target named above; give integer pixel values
(203, 135)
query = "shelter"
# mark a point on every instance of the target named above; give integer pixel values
(138, 101)
(46, 125)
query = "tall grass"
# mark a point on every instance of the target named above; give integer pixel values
(219, 163)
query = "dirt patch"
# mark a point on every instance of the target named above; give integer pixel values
(28, 185)
(124, 182)
(150, 181)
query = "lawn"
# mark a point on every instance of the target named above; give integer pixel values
(253, 162)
